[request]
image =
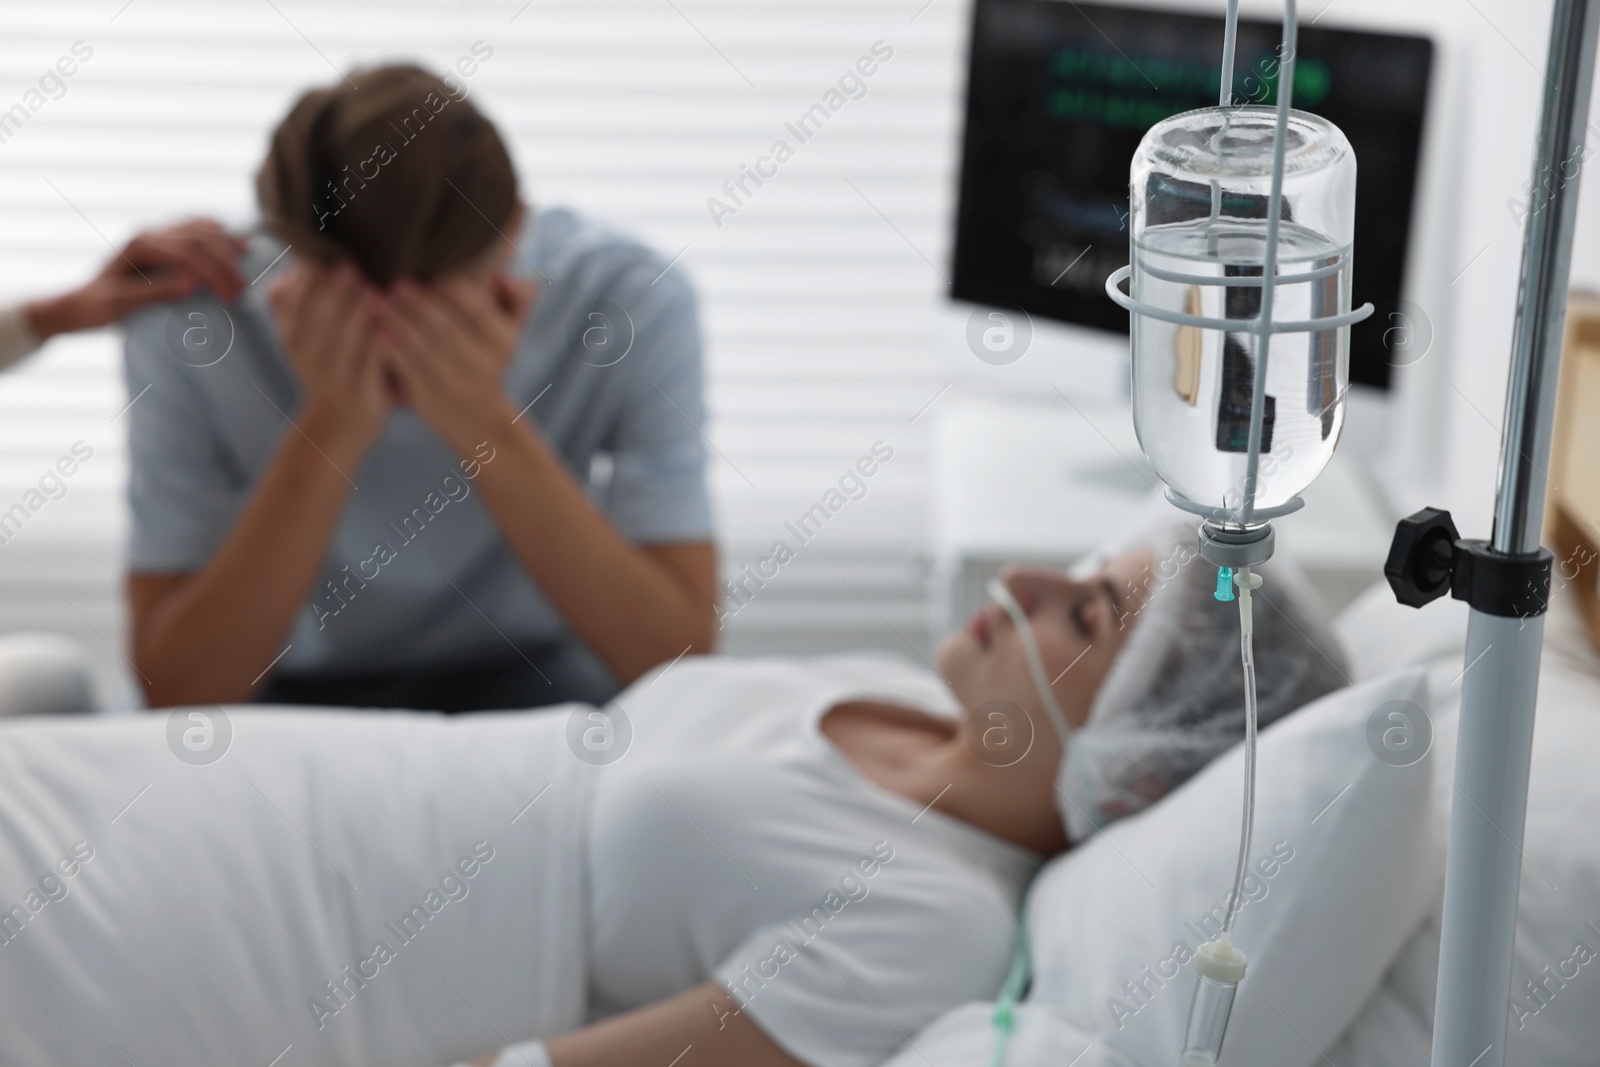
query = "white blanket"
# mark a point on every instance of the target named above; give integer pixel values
(338, 888)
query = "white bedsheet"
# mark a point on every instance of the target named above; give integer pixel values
(218, 900)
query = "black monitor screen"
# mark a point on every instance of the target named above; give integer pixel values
(1059, 95)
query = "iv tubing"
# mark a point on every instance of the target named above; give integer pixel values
(1219, 963)
(1248, 581)
(1004, 1019)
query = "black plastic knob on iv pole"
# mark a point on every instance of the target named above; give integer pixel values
(1506, 581)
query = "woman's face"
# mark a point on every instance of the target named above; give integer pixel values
(1079, 625)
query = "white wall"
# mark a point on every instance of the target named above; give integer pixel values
(1493, 92)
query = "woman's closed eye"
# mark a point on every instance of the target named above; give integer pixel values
(1080, 620)
(1087, 622)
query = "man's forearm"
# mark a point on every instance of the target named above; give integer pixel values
(631, 610)
(210, 639)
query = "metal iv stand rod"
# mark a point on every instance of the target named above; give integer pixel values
(1507, 583)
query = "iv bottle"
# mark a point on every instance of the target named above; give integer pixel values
(1200, 188)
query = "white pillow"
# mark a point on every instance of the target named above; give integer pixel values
(1380, 634)
(1343, 866)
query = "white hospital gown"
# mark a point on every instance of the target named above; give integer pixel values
(734, 841)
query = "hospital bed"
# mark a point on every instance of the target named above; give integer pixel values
(237, 902)
(226, 921)
(201, 890)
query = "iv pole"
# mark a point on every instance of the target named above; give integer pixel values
(1506, 580)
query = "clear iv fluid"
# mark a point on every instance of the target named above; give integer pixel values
(1192, 387)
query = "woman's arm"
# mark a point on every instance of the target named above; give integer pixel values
(701, 1027)
(207, 636)
(155, 267)
(635, 606)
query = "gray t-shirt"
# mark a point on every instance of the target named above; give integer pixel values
(417, 573)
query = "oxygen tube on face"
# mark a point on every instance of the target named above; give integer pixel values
(1004, 1018)
(1220, 964)
(1030, 652)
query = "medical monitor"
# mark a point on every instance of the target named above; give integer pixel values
(1059, 94)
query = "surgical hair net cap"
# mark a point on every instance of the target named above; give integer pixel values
(1173, 699)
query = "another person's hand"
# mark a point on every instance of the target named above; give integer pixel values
(155, 267)
(448, 344)
(326, 317)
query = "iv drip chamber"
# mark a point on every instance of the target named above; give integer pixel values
(1221, 968)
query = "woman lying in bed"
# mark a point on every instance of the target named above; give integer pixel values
(844, 844)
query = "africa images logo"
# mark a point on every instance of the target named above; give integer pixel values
(199, 736)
